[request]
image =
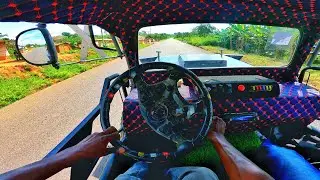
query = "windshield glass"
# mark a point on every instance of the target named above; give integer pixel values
(218, 45)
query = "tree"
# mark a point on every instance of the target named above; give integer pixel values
(158, 36)
(73, 39)
(3, 36)
(203, 29)
(142, 33)
(66, 34)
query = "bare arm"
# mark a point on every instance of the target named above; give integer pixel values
(236, 164)
(93, 146)
(43, 169)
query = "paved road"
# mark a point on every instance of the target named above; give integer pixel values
(171, 47)
(31, 127)
(37, 55)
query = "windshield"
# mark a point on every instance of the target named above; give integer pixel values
(218, 45)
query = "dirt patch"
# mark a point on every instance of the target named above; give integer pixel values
(74, 57)
(21, 71)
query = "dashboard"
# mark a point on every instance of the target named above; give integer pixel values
(240, 87)
(282, 104)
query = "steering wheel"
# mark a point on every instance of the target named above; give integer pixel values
(181, 120)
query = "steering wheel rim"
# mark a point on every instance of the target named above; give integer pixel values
(136, 74)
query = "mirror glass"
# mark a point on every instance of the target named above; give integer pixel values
(103, 39)
(33, 47)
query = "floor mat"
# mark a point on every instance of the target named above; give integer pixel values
(206, 154)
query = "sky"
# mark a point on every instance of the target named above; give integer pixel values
(32, 37)
(174, 28)
(13, 29)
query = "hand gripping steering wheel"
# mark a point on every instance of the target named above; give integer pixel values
(183, 121)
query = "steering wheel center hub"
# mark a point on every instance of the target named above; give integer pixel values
(159, 112)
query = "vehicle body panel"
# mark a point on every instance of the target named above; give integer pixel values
(199, 61)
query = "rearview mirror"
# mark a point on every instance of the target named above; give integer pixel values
(101, 39)
(36, 47)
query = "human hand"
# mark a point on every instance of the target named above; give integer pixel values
(218, 128)
(95, 145)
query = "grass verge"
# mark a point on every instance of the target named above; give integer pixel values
(19, 81)
(252, 59)
(16, 88)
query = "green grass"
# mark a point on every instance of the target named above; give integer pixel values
(206, 154)
(209, 43)
(314, 78)
(252, 59)
(24, 80)
(317, 60)
(67, 71)
(13, 89)
(64, 72)
(199, 41)
(141, 46)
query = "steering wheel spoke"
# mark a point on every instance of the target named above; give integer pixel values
(174, 74)
(195, 107)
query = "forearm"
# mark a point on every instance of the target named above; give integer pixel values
(236, 164)
(44, 168)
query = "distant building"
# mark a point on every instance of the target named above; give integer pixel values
(103, 42)
(3, 51)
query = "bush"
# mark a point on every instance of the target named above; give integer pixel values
(210, 40)
(73, 39)
(317, 60)
(158, 36)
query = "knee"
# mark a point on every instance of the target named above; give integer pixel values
(202, 173)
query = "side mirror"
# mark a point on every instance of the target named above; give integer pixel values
(103, 40)
(36, 46)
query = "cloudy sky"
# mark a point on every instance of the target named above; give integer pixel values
(13, 29)
(174, 28)
(32, 37)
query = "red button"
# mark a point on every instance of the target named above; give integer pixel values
(241, 88)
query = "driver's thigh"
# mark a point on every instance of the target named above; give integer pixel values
(137, 172)
(191, 173)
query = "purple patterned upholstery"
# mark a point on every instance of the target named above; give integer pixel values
(297, 102)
